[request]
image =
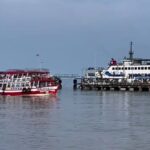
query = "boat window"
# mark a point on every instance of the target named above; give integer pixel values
(142, 68)
(148, 68)
(12, 85)
(27, 84)
(91, 74)
(132, 68)
(139, 68)
(125, 68)
(135, 68)
(36, 84)
(18, 85)
(145, 68)
(23, 79)
(42, 84)
(15, 76)
(119, 68)
(113, 68)
(22, 85)
(128, 68)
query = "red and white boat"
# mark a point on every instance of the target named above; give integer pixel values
(27, 83)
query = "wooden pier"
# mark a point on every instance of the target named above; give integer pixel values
(106, 85)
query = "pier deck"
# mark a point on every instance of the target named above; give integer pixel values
(106, 85)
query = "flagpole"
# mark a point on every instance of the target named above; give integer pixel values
(39, 61)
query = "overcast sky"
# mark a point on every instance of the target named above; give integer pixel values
(70, 35)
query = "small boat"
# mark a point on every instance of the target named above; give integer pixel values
(93, 73)
(27, 83)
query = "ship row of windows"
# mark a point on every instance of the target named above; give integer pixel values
(130, 68)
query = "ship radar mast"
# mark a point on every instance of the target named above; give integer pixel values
(131, 51)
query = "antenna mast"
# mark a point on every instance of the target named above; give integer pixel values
(131, 51)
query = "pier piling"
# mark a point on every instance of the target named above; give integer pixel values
(109, 85)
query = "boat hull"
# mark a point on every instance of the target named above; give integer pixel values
(32, 92)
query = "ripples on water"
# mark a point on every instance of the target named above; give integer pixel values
(76, 120)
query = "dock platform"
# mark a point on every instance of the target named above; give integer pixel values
(106, 85)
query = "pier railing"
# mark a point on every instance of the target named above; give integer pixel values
(68, 75)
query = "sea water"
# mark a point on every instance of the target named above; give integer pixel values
(76, 120)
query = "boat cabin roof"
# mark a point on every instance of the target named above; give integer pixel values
(25, 71)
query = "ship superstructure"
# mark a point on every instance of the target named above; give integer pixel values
(129, 68)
